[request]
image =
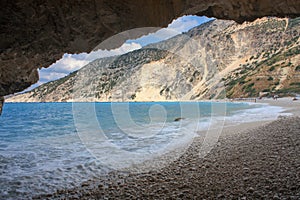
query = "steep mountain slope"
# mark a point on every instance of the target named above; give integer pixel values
(215, 60)
(275, 69)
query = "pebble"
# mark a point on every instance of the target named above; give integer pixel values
(276, 197)
(249, 164)
(251, 189)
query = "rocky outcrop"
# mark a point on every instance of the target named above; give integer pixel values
(34, 34)
(1, 104)
(215, 60)
(271, 70)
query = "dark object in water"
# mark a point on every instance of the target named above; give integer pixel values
(295, 99)
(178, 119)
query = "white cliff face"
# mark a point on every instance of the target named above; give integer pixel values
(216, 60)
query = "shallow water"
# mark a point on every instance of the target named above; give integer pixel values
(49, 146)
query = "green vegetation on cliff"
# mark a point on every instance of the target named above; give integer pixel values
(215, 60)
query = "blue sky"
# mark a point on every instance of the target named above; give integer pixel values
(71, 62)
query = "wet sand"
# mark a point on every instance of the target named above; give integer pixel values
(258, 160)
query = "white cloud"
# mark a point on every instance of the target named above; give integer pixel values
(126, 47)
(179, 25)
(184, 23)
(71, 62)
(65, 65)
(48, 76)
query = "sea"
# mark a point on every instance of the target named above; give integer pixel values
(46, 147)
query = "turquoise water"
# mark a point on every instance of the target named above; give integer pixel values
(49, 146)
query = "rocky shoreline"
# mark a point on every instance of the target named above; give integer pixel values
(248, 162)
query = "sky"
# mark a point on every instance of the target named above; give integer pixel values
(72, 62)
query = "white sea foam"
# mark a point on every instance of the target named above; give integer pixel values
(261, 113)
(38, 165)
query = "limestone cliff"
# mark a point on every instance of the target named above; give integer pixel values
(215, 60)
(35, 34)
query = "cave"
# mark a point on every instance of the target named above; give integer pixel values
(34, 34)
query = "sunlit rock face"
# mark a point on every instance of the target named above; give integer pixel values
(34, 34)
(216, 60)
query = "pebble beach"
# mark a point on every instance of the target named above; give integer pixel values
(257, 160)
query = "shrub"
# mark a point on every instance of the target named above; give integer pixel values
(272, 69)
(270, 78)
(296, 84)
(133, 96)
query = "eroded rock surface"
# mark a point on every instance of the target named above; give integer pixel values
(34, 34)
(1, 104)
